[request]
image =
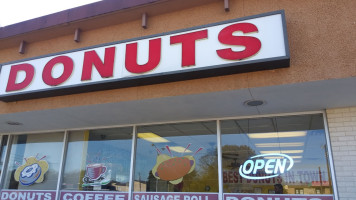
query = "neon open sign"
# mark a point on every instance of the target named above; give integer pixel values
(278, 164)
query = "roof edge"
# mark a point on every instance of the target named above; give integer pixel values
(71, 15)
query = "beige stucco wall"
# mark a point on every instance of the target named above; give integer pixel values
(321, 37)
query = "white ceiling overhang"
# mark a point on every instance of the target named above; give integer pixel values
(299, 97)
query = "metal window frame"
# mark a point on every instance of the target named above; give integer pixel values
(220, 168)
(6, 160)
(331, 161)
(133, 162)
(62, 165)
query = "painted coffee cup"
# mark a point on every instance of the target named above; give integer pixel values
(94, 171)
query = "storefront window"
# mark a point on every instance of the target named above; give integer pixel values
(98, 160)
(276, 155)
(34, 162)
(176, 158)
(262, 158)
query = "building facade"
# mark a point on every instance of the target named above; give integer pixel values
(180, 100)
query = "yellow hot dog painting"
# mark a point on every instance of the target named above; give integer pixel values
(173, 169)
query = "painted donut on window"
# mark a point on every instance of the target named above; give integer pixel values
(30, 174)
(32, 171)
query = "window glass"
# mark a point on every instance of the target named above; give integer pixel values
(34, 162)
(276, 155)
(177, 158)
(98, 160)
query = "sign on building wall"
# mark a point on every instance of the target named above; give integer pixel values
(234, 46)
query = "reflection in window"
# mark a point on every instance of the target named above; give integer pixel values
(177, 158)
(98, 160)
(34, 162)
(300, 137)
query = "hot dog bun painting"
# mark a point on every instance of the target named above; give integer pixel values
(173, 169)
(32, 171)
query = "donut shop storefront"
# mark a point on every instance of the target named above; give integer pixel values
(167, 115)
(175, 161)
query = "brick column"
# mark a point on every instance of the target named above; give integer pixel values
(342, 129)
